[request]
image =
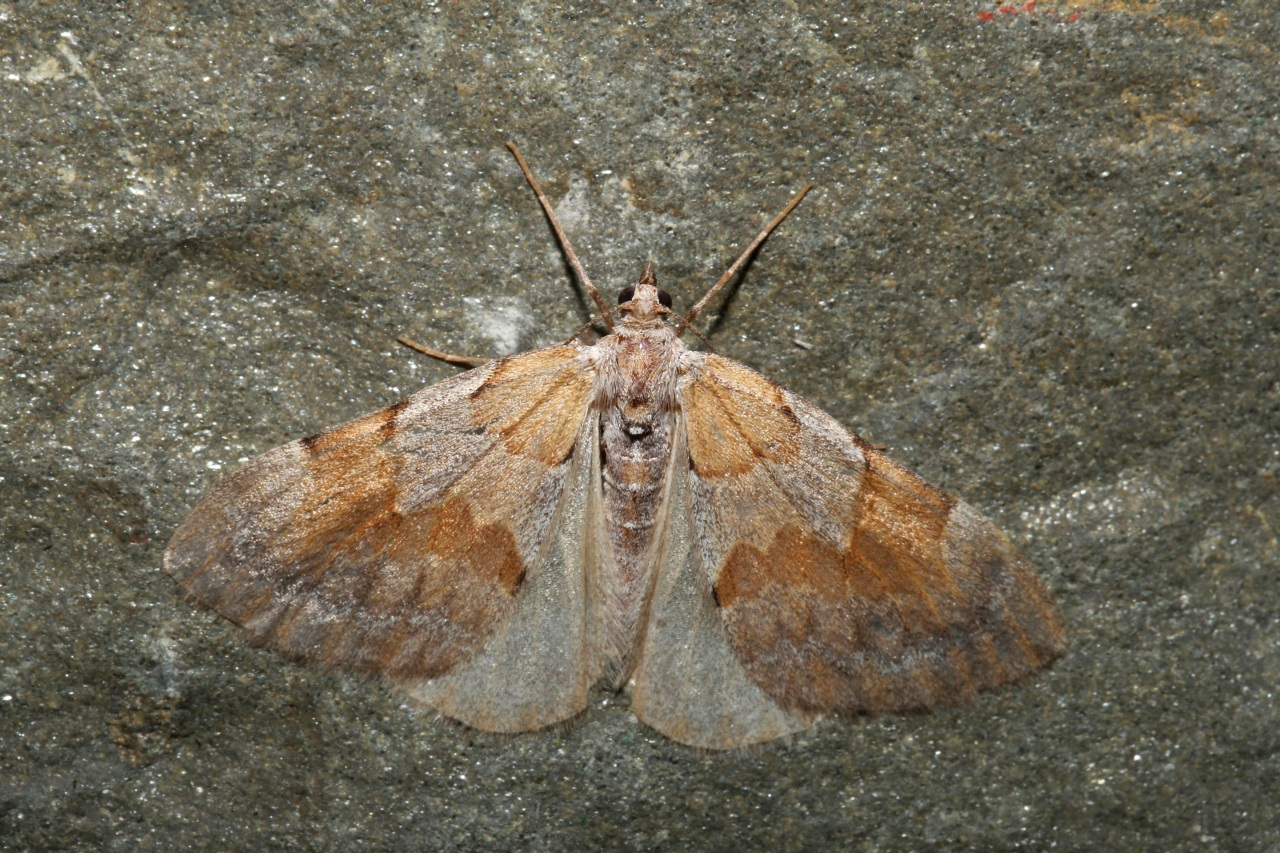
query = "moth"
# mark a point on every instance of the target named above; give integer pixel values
(633, 512)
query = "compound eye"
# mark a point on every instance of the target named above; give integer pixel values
(624, 295)
(664, 298)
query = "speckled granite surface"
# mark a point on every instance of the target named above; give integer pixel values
(1041, 265)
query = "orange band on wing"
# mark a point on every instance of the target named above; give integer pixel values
(736, 418)
(536, 402)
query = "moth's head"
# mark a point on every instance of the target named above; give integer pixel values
(645, 301)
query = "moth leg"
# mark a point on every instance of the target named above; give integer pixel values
(464, 360)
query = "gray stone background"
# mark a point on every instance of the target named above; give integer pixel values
(1040, 265)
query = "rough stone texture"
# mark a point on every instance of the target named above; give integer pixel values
(1040, 264)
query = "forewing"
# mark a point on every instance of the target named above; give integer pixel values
(842, 581)
(399, 543)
